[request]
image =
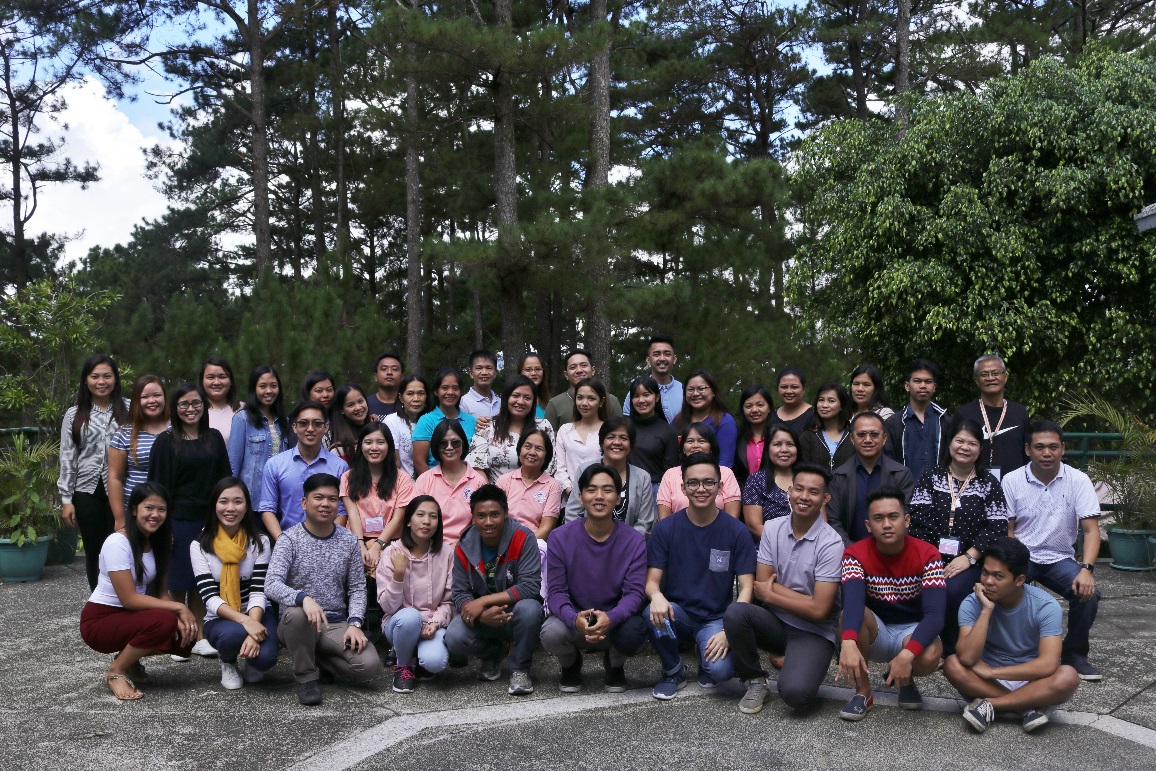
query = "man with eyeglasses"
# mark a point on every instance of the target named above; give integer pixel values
(284, 476)
(1004, 422)
(481, 401)
(917, 435)
(561, 408)
(693, 558)
(869, 470)
(660, 357)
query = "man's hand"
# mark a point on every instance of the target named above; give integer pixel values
(660, 610)
(314, 614)
(1084, 585)
(717, 647)
(980, 595)
(472, 611)
(764, 590)
(852, 665)
(597, 629)
(495, 616)
(901, 669)
(355, 639)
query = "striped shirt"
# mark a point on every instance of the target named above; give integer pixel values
(85, 465)
(136, 467)
(207, 574)
(1047, 516)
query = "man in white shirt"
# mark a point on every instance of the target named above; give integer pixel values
(1048, 501)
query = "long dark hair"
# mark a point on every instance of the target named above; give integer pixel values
(650, 384)
(253, 534)
(767, 466)
(596, 386)
(178, 428)
(160, 542)
(84, 396)
(879, 396)
(360, 477)
(231, 394)
(717, 407)
(253, 405)
(136, 416)
(751, 391)
(404, 384)
(542, 390)
(342, 429)
(435, 541)
(313, 378)
(502, 421)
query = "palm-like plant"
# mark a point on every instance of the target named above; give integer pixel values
(1132, 476)
(28, 498)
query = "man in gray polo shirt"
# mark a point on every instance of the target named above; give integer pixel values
(1048, 501)
(796, 583)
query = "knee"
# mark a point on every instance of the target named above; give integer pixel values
(630, 635)
(366, 664)
(407, 618)
(527, 611)
(720, 671)
(164, 622)
(795, 696)
(1066, 681)
(953, 669)
(554, 634)
(433, 658)
(267, 656)
(293, 617)
(735, 616)
(458, 637)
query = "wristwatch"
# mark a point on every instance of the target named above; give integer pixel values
(970, 558)
(1088, 566)
(380, 542)
(356, 624)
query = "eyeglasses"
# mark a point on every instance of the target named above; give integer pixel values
(868, 434)
(451, 444)
(303, 424)
(188, 406)
(699, 390)
(694, 484)
(991, 374)
(534, 370)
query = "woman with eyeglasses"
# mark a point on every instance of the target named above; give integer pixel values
(532, 367)
(451, 481)
(703, 404)
(188, 460)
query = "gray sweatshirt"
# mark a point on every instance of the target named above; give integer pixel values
(327, 569)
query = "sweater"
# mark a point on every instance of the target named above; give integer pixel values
(327, 569)
(903, 588)
(189, 470)
(584, 574)
(425, 587)
(207, 574)
(641, 510)
(519, 571)
(655, 447)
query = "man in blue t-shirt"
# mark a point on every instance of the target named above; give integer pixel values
(1008, 655)
(693, 558)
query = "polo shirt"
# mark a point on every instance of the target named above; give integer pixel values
(800, 562)
(479, 406)
(528, 503)
(670, 395)
(454, 500)
(1047, 516)
(283, 483)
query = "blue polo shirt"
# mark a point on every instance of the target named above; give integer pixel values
(283, 483)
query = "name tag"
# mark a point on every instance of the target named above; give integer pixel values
(949, 546)
(373, 525)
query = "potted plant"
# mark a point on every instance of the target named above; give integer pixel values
(29, 510)
(1130, 479)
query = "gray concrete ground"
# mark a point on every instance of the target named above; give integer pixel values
(55, 712)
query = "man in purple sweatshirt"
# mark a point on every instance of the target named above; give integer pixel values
(595, 576)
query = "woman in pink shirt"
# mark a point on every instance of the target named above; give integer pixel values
(374, 492)
(698, 437)
(452, 481)
(534, 497)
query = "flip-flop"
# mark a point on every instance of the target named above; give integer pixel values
(136, 694)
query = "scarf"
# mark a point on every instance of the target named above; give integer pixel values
(230, 551)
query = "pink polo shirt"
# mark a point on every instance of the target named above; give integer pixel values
(374, 511)
(530, 502)
(670, 490)
(454, 501)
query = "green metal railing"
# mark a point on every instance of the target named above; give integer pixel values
(1083, 447)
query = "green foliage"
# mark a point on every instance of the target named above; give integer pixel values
(28, 500)
(999, 221)
(49, 328)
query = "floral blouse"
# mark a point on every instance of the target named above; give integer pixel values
(499, 458)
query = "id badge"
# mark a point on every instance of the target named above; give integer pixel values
(373, 525)
(994, 471)
(949, 546)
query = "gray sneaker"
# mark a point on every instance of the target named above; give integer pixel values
(520, 684)
(756, 696)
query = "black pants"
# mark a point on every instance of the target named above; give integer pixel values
(94, 519)
(750, 628)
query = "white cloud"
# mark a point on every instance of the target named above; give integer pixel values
(104, 214)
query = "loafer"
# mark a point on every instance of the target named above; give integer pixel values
(857, 709)
(910, 697)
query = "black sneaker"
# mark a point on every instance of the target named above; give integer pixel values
(457, 662)
(571, 678)
(979, 714)
(309, 693)
(1034, 719)
(910, 697)
(403, 679)
(1084, 669)
(615, 680)
(422, 674)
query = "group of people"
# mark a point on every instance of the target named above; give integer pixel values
(488, 522)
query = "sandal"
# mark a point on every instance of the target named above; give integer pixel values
(134, 695)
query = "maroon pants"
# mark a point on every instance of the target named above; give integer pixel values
(106, 629)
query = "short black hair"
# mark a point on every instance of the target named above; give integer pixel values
(659, 339)
(531, 430)
(1043, 427)
(869, 415)
(577, 352)
(435, 543)
(812, 468)
(887, 493)
(445, 426)
(1011, 552)
(308, 404)
(592, 471)
(315, 481)
(483, 353)
(700, 458)
(386, 355)
(792, 371)
(923, 365)
(490, 493)
(613, 424)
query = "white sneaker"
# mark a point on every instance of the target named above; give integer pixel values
(230, 677)
(250, 674)
(204, 648)
(179, 659)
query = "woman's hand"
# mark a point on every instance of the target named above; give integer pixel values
(254, 628)
(400, 560)
(429, 629)
(372, 556)
(957, 566)
(186, 626)
(68, 514)
(250, 648)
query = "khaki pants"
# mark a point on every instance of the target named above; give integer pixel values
(308, 648)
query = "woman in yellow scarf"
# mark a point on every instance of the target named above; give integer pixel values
(229, 565)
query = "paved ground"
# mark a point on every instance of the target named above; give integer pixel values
(56, 713)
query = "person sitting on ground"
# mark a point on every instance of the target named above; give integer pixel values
(130, 613)
(1008, 655)
(413, 588)
(497, 585)
(230, 561)
(317, 577)
(893, 600)
(797, 584)
(596, 572)
(693, 558)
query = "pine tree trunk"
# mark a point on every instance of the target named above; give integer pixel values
(598, 323)
(510, 272)
(903, 59)
(415, 317)
(337, 110)
(262, 233)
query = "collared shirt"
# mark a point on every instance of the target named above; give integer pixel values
(1047, 516)
(529, 502)
(83, 466)
(283, 483)
(454, 500)
(670, 395)
(479, 406)
(920, 440)
(801, 562)
(865, 482)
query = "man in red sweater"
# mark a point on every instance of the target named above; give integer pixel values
(894, 595)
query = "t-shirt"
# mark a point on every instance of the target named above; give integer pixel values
(116, 554)
(490, 561)
(1013, 636)
(700, 564)
(136, 467)
(378, 408)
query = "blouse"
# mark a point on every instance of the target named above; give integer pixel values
(499, 458)
(402, 432)
(655, 447)
(529, 503)
(981, 517)
(775, 503)
(85, 465)
(374, 511)
(571, 452)
(190, 472)
(137, 467)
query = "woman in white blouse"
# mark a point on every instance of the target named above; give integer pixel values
(577, 442)
(494, 448)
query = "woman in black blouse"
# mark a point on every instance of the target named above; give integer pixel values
(959, 508)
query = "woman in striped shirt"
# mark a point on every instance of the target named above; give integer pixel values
(229, 564)
(128, 453)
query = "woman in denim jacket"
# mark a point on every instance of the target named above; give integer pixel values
(260, 430)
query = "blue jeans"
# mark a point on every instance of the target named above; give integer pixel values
(686, 628)
(1058, 577)
(403, 630)
(487, 642)
(226, 636)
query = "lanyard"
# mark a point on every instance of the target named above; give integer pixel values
(987, 426)
(955, 496)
